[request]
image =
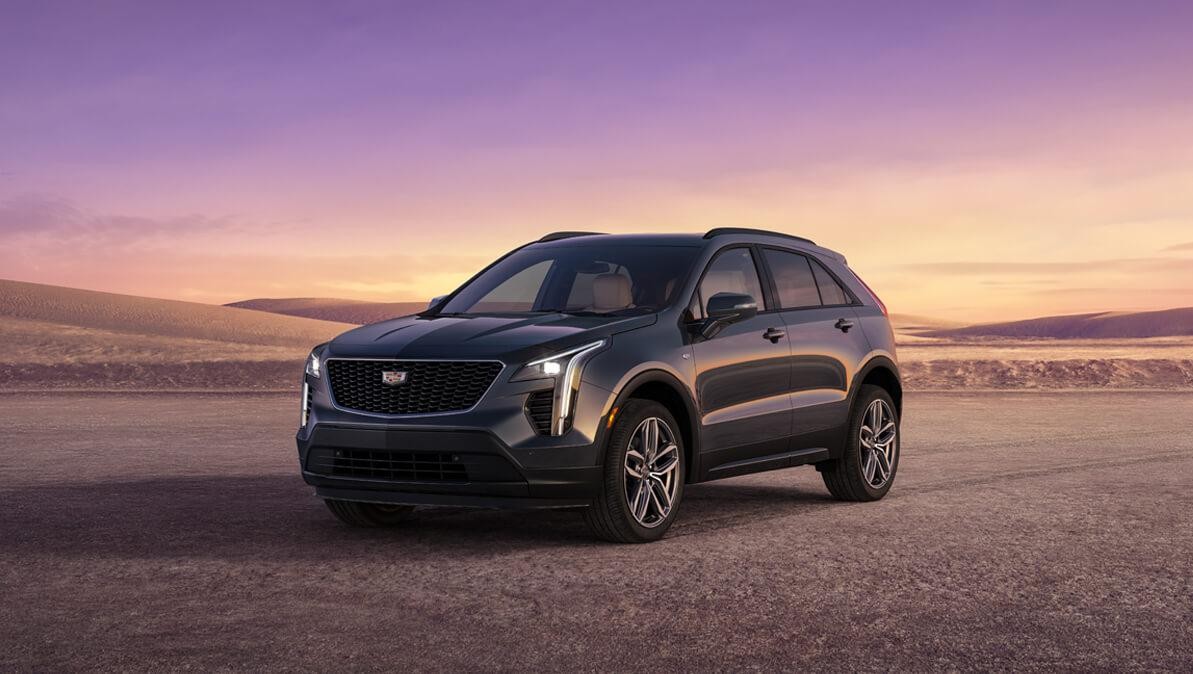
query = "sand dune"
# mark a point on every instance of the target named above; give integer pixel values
(64, 338)
(911, 322)
(333, 309)
(162, 318)
(1167, 323)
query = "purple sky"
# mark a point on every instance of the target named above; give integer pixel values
(216, 151)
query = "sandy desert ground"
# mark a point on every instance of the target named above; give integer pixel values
(1036, 530)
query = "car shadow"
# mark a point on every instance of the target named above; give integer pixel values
(272, 516)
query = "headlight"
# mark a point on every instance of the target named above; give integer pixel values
(565, 369)
(313, 365)
(552, 366)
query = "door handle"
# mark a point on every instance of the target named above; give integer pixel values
(774, 335)
(843, 325)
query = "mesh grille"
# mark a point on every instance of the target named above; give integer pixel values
(390, 465)
(538, 408)
(429, 386)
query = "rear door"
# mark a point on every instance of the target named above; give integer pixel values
(826, 344)
(742, 373)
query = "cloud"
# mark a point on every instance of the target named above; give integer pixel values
(1020, 283)
(53, 240)
(1180, 247)
(1024, 268)
(61, 221)
(35, 213)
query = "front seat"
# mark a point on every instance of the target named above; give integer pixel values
(611, 292)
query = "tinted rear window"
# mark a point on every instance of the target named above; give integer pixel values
(831, 292)
(793, 279)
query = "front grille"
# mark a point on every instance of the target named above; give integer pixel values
(380, 464)
(429, 387)
(538, 408)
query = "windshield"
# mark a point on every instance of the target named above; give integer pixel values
(583, 280)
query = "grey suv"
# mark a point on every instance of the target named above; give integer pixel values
(605, 372)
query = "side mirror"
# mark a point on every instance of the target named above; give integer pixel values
(434, 301)
(731, 307)
(725, 309)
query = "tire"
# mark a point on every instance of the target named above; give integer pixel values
(610, 516)
(846, 477)
(370, 515)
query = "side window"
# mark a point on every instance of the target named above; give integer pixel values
(830, 291)
(516, 293)
(793, 279)
(731, 271)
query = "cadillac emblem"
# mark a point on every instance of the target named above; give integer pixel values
(393, 377)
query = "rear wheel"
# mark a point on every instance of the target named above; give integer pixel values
(643, 477)
(867, 469)
(370, 514)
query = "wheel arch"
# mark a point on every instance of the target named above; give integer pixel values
(664, 388)
(879, 371)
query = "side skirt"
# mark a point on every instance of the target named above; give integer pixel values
(797, 457)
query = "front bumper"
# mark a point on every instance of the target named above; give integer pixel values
(489, 473)
(489, 456)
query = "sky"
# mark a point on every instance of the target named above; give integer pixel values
(974, 161)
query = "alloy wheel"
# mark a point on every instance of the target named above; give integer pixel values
(651, 474)
(880, 446)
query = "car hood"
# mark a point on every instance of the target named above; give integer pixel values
(507, 338)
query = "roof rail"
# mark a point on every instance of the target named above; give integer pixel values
(720, 231)
(555, 236)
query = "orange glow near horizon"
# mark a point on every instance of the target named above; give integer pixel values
(966, 243)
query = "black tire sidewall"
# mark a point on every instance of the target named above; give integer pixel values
(853, 445)
(632, 414)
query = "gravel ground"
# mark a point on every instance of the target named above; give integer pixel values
(1026, 531)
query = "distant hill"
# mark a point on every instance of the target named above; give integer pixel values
(57, 338)
(910, 322)
(332, 309)
(163, 318)
(1105, 325)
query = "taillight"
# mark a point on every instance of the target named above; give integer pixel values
(881, 304)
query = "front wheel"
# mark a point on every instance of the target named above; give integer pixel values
(867, 469)
(369, 515)
(643, 477)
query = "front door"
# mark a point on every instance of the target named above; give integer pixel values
(743, 373)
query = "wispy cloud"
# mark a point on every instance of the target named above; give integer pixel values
(63, 221)
(1020, 283)
(1045, 268)
(1180, 247)
(54, 240)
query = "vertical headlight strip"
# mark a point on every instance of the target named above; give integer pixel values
(568, 385)
(314, 368)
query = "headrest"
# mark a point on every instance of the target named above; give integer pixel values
(611, 292)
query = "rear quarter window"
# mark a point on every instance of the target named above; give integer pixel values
(831, 292)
